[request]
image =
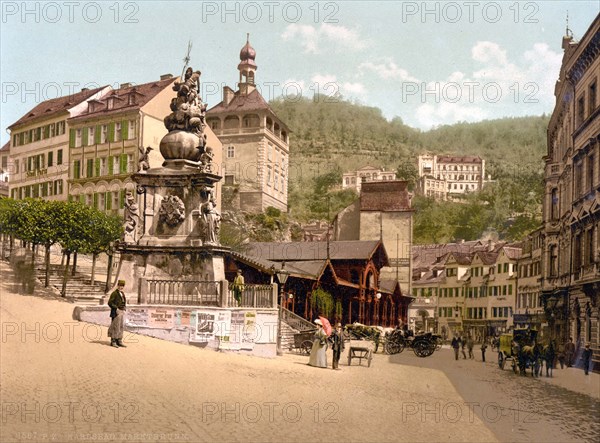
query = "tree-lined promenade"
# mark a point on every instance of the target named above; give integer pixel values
(77, 228)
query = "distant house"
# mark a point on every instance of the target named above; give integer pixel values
(444, 177)
(468, 287)
(355, 179)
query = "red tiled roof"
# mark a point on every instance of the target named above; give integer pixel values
(458, 159)
(55, 106)
(241, 102)
(143, 94)
(6, 147)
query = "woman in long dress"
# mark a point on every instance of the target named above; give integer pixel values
(318, 353)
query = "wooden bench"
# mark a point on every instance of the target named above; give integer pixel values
(360, 353)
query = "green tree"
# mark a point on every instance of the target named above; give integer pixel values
(322, 302)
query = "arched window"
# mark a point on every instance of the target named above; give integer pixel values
(232, 122)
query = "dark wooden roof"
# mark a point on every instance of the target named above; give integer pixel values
(391, 195)
(311, 251)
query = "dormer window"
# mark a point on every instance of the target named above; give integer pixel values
(110, 103)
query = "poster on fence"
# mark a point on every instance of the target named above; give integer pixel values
(234, 341)
(223, 325)
(182, 318)
(249, 331)
(136, 317)
(266, 325)
(161, 318)
(205, 327)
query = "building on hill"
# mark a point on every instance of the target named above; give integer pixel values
(383, 212)
(355, 179)
(464, 288)
(445, 177)
(39, 150)
(255, 143)
(571, 207)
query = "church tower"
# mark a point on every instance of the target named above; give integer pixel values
(255, 143)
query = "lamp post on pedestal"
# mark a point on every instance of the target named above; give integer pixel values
(282, 276)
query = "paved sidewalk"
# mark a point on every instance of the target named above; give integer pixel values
(61, 381)
(572, 379)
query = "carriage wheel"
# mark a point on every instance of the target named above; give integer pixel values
(305, 347)
(501, 360)
(421, 349)
(391, 347)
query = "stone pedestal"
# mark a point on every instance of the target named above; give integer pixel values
(170, 202)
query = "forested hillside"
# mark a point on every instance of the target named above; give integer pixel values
(330, 136)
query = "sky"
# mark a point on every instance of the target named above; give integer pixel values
(429, 63)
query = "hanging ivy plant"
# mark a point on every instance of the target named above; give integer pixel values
(322, 302)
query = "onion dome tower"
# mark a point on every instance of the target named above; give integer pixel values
(247, 68)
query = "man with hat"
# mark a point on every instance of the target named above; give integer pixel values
(337, 340)
(238, 287)
(117, 303)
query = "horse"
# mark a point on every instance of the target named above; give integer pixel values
(548, 355)
(529, 357)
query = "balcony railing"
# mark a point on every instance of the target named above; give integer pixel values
(254, 296)
(188, 292)
(206, 293)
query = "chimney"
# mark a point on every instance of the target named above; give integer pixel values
(125, 85)
(490, 247)
(166, 76)
(227, 95)
(85, 89)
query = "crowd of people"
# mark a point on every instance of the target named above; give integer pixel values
(565, 357)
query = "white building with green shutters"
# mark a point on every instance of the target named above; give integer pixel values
(106, 139)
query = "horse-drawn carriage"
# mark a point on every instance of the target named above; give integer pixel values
(423, 345)
(521, 349)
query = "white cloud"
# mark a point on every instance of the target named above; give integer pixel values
(499, 86)
(489, 52)
(388, 70)
(430, 115)
(312, 38)
(353, 89)
(325, 84)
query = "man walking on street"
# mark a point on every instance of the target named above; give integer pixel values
(455, 345)
(470, 345)
(483, 348)
(569, 351)
(337, 340)
(587, 358)
(463, 343)
(117, 304)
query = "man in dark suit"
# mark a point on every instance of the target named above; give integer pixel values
(117, 303)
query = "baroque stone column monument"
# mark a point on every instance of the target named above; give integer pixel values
(172, 225)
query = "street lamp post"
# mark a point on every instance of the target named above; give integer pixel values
(282, 276)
